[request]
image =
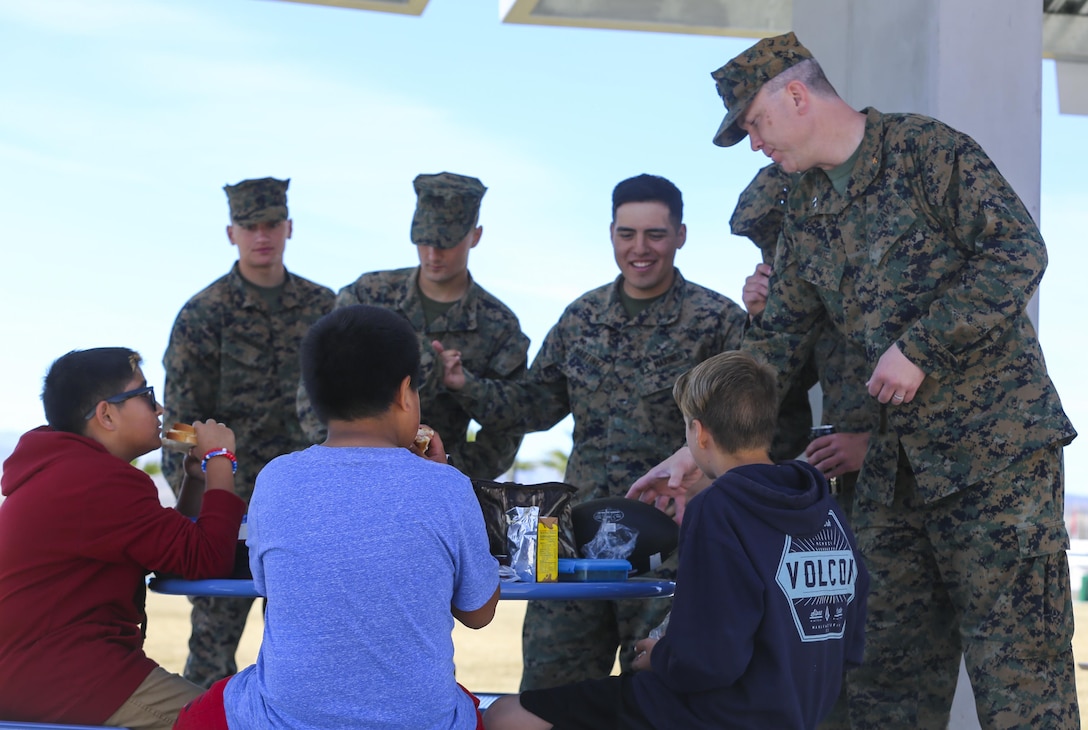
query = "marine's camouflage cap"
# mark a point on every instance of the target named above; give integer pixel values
(263, 200)
(741, 79)
(447, 208)
(761, 207)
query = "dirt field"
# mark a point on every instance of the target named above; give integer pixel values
(488, 660)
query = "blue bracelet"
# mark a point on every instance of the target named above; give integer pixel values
(220, 452)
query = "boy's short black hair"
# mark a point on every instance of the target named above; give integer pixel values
(354, 360)
(650, 189)
(735, 397)
(77, 381)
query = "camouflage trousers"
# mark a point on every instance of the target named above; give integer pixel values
(982, 572)
(938, 686)
(217, 625)
(568, 641)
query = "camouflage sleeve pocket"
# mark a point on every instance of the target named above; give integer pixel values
(1046, 538)
(511, 358)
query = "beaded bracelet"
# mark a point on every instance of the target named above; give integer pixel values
(220, 452)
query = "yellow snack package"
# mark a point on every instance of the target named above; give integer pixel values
(547, 550)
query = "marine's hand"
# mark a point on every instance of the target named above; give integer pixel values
(838, 453)
(756, 288)
(669, 480)
(896, 379)
(453, 373)
(643, 649)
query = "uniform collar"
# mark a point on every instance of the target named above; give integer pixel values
(867, 167)
(246, 297)
(816, 195)
(665, 310)
(461, 316)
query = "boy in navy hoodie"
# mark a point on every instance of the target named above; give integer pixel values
(770, 603)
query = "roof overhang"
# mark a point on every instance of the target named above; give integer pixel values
(1065, 39)
(738, 18)
(1065, 25)
(405, 7)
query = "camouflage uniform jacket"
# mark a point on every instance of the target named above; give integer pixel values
(843, 374)
(840, 369)
(932, 250)
(231, 359)
(491, 342)
(615, 375)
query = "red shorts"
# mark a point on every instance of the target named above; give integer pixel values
(206, 712)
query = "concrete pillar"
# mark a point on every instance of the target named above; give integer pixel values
(973, 64)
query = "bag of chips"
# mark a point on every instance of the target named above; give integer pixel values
(552, 499)
(521, 536)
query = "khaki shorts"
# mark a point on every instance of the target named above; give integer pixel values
(156, 702)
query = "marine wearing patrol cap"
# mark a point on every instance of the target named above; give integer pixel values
(447, 209)
(741, 79)
(263, 200)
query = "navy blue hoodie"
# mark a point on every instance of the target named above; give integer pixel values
(769, 607)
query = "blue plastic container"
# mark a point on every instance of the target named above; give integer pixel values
(584, 570)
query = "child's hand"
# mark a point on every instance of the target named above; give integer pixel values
(643, 649)
(210, 435)
(435, 450)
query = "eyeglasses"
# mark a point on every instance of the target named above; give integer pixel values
(147, 390)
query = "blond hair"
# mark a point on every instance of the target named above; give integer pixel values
(734, 396)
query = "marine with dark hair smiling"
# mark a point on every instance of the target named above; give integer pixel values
(610, 361)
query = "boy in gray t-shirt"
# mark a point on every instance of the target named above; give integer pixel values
(366, 552)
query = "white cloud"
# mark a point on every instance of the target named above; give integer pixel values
(94, 17)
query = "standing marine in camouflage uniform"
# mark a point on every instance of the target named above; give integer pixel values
(446, 305)
(842, 373)
(233, 356)
(758, 216)
(838, 367)
(611, 361)
(902, 235)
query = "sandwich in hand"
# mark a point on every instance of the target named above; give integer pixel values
(181, 437)
(423, 440)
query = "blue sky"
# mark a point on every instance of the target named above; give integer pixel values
(121, 120)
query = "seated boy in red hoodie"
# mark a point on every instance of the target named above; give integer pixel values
(79, 530)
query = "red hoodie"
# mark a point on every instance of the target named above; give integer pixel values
(79, 531)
